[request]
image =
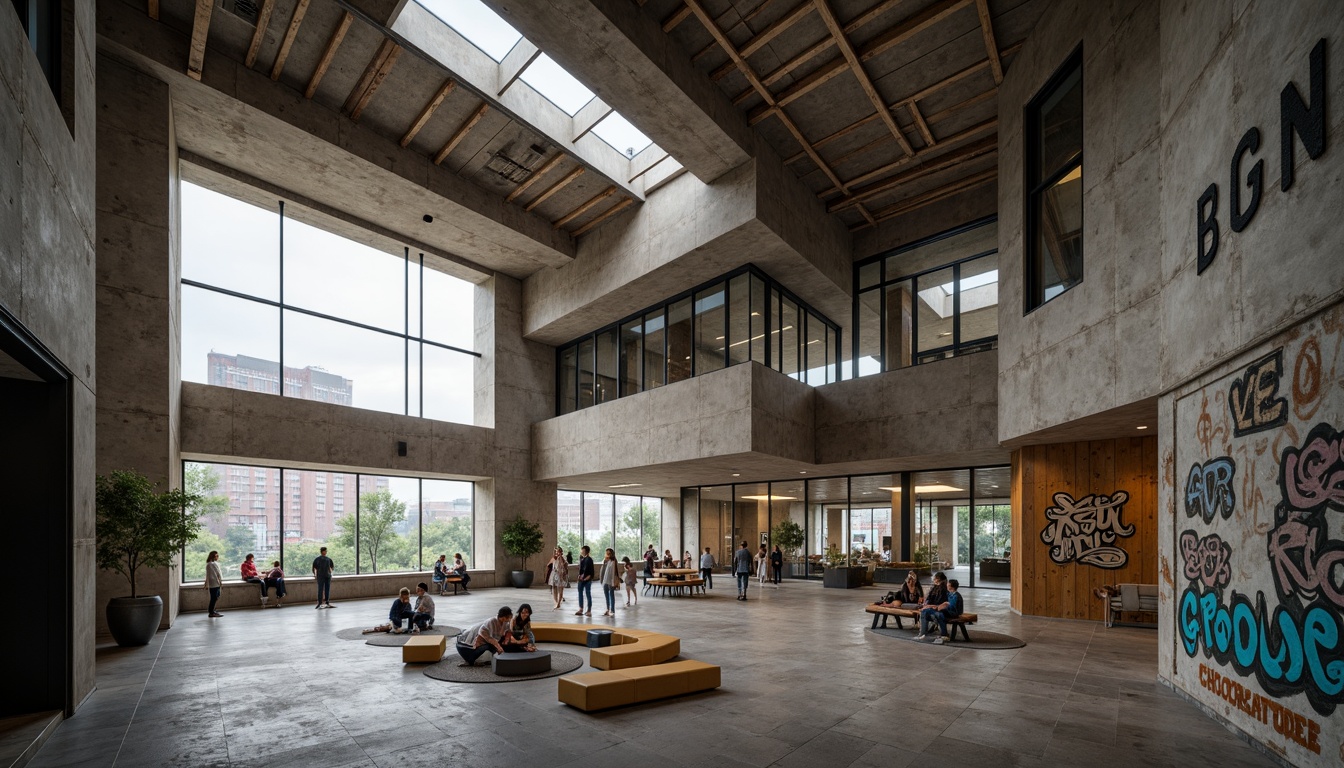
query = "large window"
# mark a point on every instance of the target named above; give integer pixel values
(272, 304)
(1054, 174)
(368, 523)
(739, 317)
(935, 299)
(627, 524)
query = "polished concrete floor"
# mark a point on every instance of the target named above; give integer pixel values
(804, 684)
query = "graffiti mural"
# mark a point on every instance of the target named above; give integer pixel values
(1085, 530)
(1259, 603)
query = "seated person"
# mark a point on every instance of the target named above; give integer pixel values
(668, 562)
(274, 578)
(424, 608)
(944, 603)
(441, 572)
(520, 638)
(401, 611)
(475, 640)
(910, 595)
(460, 568)
(249, 571)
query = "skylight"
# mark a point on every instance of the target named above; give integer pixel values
(481, 26)
(621, 135)
(552, 81)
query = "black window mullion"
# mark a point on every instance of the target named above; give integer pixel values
(422, 355)
(406, 311)
(281, 304)
(956, 308)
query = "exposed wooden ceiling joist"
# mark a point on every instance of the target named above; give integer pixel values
(883, 170)
(259, 34)
(328, 54)
(582, 209)
(607, 214)
(991, 47)
(932, 196)
(535, 177)
(675, 18)
(374, 75)
(865, 82)
(984, 147)
(797, 14)
(556, 187)
(461, 132)
(428, 111)
(200, 32)
(287, 43)
(152, 9)
(922, 126)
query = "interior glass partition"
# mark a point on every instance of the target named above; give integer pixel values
(788, 515)
(625, 523)
(991, 517)
(751, 510)
(716, 522)
(828, 516)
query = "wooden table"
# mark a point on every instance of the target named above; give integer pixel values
(675, 573)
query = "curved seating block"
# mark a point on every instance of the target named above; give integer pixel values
(602, 690)
(525, 663)
(629, 647)
(424, 649)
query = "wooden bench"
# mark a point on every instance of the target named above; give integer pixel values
(883, 611)
(629, 647)
(593, 691)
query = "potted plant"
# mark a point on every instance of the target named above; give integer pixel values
(789, 536)
(139, 528)
(522, 539)
(839, 574)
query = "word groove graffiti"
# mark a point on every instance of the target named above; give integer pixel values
(1208, 560)
(1085, 530)
(1254, 398)
(1208, 489)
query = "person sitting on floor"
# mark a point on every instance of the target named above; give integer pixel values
(401, 611)
(949, 607)
(520, 638)
(274, 578)
(424, 608)
(477, 639)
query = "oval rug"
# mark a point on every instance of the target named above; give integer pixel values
(450, 670)
(980, 640)
(385, 640)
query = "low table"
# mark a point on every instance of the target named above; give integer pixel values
(424, 649)
(599, 638)
(526, 663)
(675, 574)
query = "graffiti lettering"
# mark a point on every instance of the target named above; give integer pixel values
(1312, 477)
(1208, 489)
(1307, 380)
(1289, 650)
(1085, 529)
(1208, 560)
(1305, 559)
(1253, 398)
(1289, 724)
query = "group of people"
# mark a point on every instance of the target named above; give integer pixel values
(274, 578)
(506, 633)
(443, 571)
(943, 603)
(612, 576)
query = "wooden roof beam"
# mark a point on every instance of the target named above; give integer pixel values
(324, 63)
(920, 125)
(793, 16)
(612, 211)
(865, 82)
(582, 209)
(292, 32)
(934, 195)
(991, 47)
(379, 67)
(535, 176)
(982, 148)
(676, 17)
(556, 187)
(259, 34)
(883, 170)
(461, 132)
(200, 32)
(428, 110)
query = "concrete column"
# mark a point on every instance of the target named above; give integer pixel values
(947, 534)
(900, 327)
(138, 266)
(678, 529)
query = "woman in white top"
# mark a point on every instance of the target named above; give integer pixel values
(214, 580)
(762, 564)
(611, 580)
(557, 576)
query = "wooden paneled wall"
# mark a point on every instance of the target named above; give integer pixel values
(1043, 587)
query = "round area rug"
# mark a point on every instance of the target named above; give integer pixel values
(450, 670)
(385, 640)
(980, 640)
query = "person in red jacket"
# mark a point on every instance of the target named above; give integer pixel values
(250, 575)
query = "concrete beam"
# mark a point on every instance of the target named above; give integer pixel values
(625, 57)
(511, 68)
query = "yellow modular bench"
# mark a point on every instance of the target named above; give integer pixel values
(602, 690)
(426, 649)
(629, 648)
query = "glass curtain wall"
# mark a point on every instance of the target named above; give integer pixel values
(740, 317)
(928, 301)
(962, 523)
(369, 523)
(273, 304)
(625, 523)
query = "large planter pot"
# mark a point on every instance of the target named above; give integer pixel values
(844, 578)
(521, 579)
(134, 620)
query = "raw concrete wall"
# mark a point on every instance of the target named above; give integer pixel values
(47, 226)
(1169, 89)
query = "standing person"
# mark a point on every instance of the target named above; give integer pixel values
(762, 561)
(460, 568)
(742, 569)
(707, 568)
(650, 556)
(557, 576)
(475, 640)
(777, 562)
(686, 560)
(424, 608)
(631, 581)
(611, 580)
(520, 638)
(214, 581)
(274, 578)
(323, 567)
(441, 574)
(585, 580)
(400, 611)
(248, 571)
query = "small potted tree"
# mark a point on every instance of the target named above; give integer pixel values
(139, 528)
(522, 539)
(790, 537)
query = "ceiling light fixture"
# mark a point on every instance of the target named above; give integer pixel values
(625, 485)
(924, 489)
(769, 498)
(1143, 427)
